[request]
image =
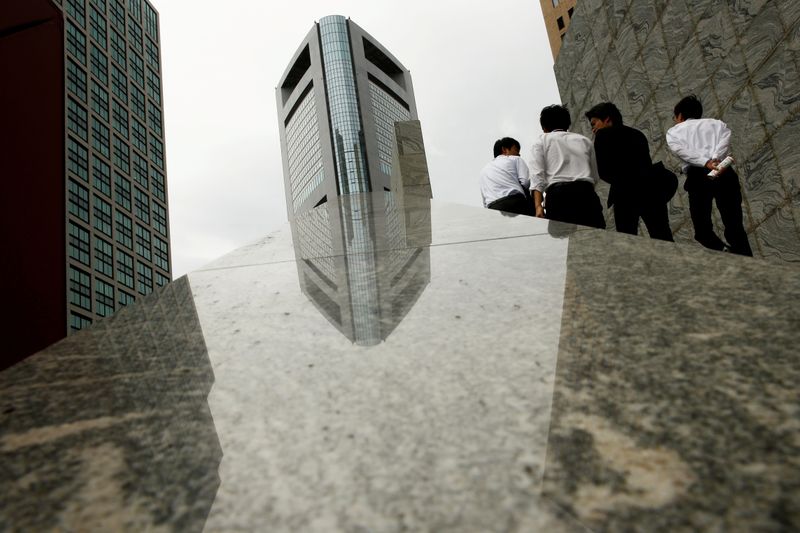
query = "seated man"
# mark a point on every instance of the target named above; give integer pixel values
(623, 160)
(564, 172)
(702, 143)
(505, 179)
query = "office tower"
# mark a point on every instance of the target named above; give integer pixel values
(85, 204)
(557, 16)
(345, 106)
(337, 104)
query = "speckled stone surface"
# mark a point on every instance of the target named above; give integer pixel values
(742, 58)
(525, 377)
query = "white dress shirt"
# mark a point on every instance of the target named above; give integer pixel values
(561, 156)
(696, 140)
(503, 176)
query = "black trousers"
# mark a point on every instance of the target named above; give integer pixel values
(514, 203)
(726, 192)
(628, 208)
(574, 202)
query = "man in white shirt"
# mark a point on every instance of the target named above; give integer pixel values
(702, 143)
(505, 179)
(564, 172)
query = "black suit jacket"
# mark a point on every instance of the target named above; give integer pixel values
(623, 160)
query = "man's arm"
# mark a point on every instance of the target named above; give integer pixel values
(538, 167)
(723, 147)
(523, 173)
(603, 156)
(537, 203)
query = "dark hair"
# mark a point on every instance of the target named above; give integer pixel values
(506, 142)
(555, 117)
(689, 107)
(605, 110)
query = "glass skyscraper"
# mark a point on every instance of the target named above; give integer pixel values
(85, 204)
(338, 101)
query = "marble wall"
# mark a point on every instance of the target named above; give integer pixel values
(741, 57)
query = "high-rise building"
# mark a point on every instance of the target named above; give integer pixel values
(337, 104)
(84, 207)
(557, 15)
(346, 106)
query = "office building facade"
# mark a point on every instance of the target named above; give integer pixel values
(85, 209)
(557, 16)
(337, 104)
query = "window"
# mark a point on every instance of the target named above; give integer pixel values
(139, 170)
(154, 117)
(159, 190)
(117, 15)
(150, 21)
(135, 9)
(77, 9)
(121, 155)
(119, 84)
(76, 80)
(99, 101)
(157, 152)
(124, 230)
(97, 26)
(139, 136)
(137, 69)
(118, 49)
(145, 278)
(101, 5)
(153, 86)
(76, 119)
(560, 22)
(135, 36)
(100, 136)
(80, 288)
(140, 205)
(76, 42)
(104, 297)
(78, 201)
(570, 11)
(99, 65)
(119, 118)
(77, 159)
(137, 102)
(122, 188)
(102, 215)
(159, 219)
(161, 279)
(161, 252)
(102, 175)
(125, 269)
(125, 298)
(78, 322)
(78, 243)
(103, 257)
(143, 242)
(555, 3)
(152, 54)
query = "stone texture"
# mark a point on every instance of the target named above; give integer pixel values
(741, 57)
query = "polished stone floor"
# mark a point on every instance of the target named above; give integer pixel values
(398, 364)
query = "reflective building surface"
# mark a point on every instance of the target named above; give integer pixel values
(396, 363)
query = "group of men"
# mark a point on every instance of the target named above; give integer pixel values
(558, 181)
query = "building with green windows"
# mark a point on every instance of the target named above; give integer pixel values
(85, 203)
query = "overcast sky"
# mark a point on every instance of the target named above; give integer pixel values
(479, 73)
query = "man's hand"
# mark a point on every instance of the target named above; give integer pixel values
(539, 212)
(711, 164)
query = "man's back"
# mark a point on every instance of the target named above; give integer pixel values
(623, 155)
(503, 176)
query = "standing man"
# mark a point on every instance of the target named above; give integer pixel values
(702, 143)
(623, 160)
(505, 179)
(564, 169)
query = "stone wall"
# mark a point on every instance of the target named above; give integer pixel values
(741, 57)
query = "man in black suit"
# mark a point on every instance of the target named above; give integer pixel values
(623, 160)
